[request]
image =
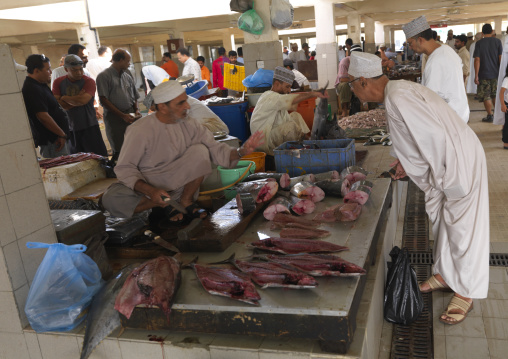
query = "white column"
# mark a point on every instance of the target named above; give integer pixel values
(387, 38)
(87, 38)
(158, 51)
(478, 27)
(380, 33)
(353, 26)
(498, 25)
(228, 40)
(392, 39)
(370, 34)
(195, 50)
(285, 40)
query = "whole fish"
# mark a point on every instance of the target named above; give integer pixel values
(320, 117)
(226, 282)
(319, 265)
(272, 275)
(308, 190)
(330, 175)
(154, 282)
(334, 188)
(305, 178)
(261, 190)
(294, 246)
(102, 316)
(282, 178)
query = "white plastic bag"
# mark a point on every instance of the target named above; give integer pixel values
(281, 14)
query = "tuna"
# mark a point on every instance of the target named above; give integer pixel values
(320, 117)
(330, 175)
(294, 246)
(319, 265)
(278, 205)
(360, 196)
(350, 212)
(261, 191)
(303, 233)
(282, 178)
(154, 282)
(307, 190)
(302, 206)
(357, 184)
(284, 218)
(305, 178)
(246, 203)
(354, 174)
(334, 188)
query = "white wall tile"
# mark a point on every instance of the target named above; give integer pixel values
(13, 345)
(32, 343)
(5, 282)
(136, 350)
(29, 210)
(8, 235)
(8, 79)
(19, 166)
(222, 353)
(32, 258)
(58, 346)
(14, 265)
(20, 295)
(14, 125)
(107, 349)
(9, 319)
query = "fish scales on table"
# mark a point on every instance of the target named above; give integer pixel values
(335, 188)
(282, 179)
(227, 282)
(319, 265)
(261, 190)
(288, 218)
(330, 175)
(308, 190)
(102, 316)
(305, 178)
(296, 245)
(153, 283)
(273, 275)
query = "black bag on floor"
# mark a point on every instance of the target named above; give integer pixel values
(403, 302)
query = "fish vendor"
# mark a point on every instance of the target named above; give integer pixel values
(445, 159)
(271, 114)
(168, 154)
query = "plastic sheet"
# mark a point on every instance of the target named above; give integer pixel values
(251, 22)
(281, 14)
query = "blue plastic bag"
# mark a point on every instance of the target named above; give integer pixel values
(63, 287)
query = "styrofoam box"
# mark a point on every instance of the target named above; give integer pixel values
(62, 180)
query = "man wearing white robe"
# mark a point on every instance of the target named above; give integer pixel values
(271, 114)
(471, 86)
(446, 160)
(167, 154)
(443, 69)
(498, 114)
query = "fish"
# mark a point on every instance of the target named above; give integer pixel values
(354, 174)
(330, 175)
(360, 196)
(273, 275)
(102, 318)
(301, 206)
(154, 282)
(350, 211)
(331, 214)
(286, 205)
(245, 202)
(282, 178)
(277, 225)
(261, 190)
(296, 245)
(305, 178)
(288, 218)
(320, 117)
(308, 190)
(226, 282)
(334, 188)
(303, 233)
(367, 184)
(319, 265)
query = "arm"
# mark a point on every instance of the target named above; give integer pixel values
(110, 107)
(48, 122)
(305, 96)
(78, 100)
(254, 141)
(155, 194)
(476, 70)
(64, 104)
(501, 99)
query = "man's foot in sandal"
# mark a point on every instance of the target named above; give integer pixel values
(457, 310)
(435, 282)
(174, 216)
(194, 211)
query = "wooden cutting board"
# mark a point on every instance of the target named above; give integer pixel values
(92, 191)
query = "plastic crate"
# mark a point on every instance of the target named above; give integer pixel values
(330, 155)
(233, 77)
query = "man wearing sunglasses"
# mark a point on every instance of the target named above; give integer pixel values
(48, 121)
(75, 92)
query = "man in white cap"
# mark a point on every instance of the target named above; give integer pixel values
(470, 40)
(445, 159)
(167, 154)
(271, 114)
(443, 69)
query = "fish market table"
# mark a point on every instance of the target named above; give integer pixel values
(326, 313)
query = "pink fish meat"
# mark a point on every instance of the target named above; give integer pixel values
(307, 190)
(350, 211)
(278, 205)
(287, 218)
(261, 191)
(329, 215)
(303, 233)
(282, 179)
(295, 245)
(358, 196)
(302, 206)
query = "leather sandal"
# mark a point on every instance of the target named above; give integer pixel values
(456, 303)
(434, 285)
(193, 211)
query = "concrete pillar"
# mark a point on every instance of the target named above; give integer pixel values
(326, 47)
(158, 51)
(478, 27)
(228, 40)
(370, 34)
(285, 41)
(136, 58)
(30, 50)
(88, 39)
(262, 50)
(353, 26)
(392, 39)
(205, 52)
(195, 50)
(380, 33)
(498, 25)
(387, 38)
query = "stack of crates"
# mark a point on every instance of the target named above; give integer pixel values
(233, 77)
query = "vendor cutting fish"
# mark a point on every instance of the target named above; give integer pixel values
(167, 155)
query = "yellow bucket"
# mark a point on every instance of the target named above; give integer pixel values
(258, 158)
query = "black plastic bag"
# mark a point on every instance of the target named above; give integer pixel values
(240, 5)
(403, 302)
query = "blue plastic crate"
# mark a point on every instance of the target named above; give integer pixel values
(330, 155)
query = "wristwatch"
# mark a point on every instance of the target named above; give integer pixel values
(238, 151)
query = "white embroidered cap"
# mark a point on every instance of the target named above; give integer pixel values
(284, 75)
(415, 27)
(365, 65)
(167, 91)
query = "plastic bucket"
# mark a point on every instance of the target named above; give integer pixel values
(233, 115)
(230, 175)
(198, 89)
(258, 158)
(306, 109)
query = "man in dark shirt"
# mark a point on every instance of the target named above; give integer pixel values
(75, 92)
(48, 121)
(487, 58)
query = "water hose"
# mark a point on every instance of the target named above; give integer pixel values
(228, 186)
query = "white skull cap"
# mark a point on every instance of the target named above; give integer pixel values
(167, 91)
(365, 65)
(416, 26)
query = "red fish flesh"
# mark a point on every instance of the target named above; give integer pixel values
(287, 218)
(303, 233)
(360, 196)
(282, 179)
(154, 282)
(278, 205)
(307, 190)
(329, 215)
(294, 245)
(319, 264)
(302, 206)
(350, 211)
(261, 191)
(227, 282)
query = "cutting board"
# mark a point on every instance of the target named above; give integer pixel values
(92, 191)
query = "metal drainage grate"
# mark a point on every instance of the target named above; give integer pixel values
(415, 235)
(498, 259)
(424, 258)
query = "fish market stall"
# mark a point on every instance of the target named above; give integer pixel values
(326, 313)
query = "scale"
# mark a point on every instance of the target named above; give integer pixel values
(186, 80)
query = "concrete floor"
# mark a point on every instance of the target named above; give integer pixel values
(484, 334)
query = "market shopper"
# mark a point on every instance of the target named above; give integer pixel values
(271, 114)
(168, 154)
(487, 58)
(503, 100)
(169, 65)
(471, 86)
(218, 69)
(75, 93)
(233, 56)
(301, 81)
(443, 69)
(118, 96)
(460, 45)
(341, 84)
(74, 49)
(190, 66)
(296, 55)
(446, 160)
(48, 121)
(205, 73)
(96, 66)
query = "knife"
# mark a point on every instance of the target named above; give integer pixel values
(161, 242)
(174, 204)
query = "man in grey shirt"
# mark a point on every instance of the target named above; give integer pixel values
(118, 96)
(487, 58)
